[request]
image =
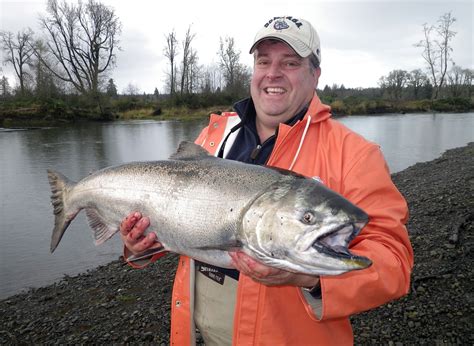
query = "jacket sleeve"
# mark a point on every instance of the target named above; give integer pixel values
(201, 139)
(366, 182)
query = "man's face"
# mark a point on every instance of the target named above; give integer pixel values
(282, 82)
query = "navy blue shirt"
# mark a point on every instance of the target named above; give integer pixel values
(247, 146)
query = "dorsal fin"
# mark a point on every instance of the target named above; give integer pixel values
(189, 151)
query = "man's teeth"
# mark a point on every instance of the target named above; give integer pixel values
(275, 90)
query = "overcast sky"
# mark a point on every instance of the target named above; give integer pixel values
(360, 40)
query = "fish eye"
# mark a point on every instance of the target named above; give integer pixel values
(308, 218)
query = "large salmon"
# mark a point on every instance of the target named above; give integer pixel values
(202, 206)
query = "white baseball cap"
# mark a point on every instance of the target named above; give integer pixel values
(299, 34)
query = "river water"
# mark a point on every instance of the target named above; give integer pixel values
(26, 217)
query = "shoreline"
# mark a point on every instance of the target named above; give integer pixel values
(29, 120)
(117, 304)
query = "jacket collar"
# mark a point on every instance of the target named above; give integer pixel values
(317, 110)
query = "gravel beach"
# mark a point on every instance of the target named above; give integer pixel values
(117, 304)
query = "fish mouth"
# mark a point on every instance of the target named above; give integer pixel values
(335, 244)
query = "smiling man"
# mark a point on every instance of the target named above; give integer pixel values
(285, 125)
(283, 81)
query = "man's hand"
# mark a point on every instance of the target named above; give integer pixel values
(132, 231)
(270, 276)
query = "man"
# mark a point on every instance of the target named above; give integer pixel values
(284, 124)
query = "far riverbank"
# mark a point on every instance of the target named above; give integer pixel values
(56, 112)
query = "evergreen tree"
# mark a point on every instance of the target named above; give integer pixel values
(111, 89)
(5, 89)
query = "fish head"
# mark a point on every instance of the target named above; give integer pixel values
(302, 226)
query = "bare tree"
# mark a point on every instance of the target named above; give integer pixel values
(82, 43)
(469, 82)
(131, 90)
(229, 60)
(210, 79)
(437, 51)
(46, 84)
(459, 81)
(394, 83)
(19, 54)
(194, 72)
(236, 75)
(185, 64)
(416, 80)
(171, 52)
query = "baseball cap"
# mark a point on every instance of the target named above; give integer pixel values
(299, 34)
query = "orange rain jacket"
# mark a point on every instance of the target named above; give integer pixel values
(316, 146)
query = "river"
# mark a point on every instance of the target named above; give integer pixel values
(26, 217)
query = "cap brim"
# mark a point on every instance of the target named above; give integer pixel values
(296, 45)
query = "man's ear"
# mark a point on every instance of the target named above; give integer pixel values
(317, 74)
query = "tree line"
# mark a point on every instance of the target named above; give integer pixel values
(73, 55)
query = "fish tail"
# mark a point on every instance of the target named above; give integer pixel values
(60, 187)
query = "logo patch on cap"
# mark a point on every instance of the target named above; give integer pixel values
(299, 34)
(280, 25)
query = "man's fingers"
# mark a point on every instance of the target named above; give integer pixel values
(139, 229)
(148, 242)
(129, 222)
(256, 270)
(241, 263)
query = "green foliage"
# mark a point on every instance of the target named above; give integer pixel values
(452, 104)
(126, 103)
(198, 101)
(56, 108)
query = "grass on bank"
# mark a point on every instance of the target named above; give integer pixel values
(357, 106)
(172, 113)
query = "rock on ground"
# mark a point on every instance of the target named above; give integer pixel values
(117, 304)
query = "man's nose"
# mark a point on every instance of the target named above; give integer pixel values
(274, 71)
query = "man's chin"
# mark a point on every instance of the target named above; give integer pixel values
(273, 107)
